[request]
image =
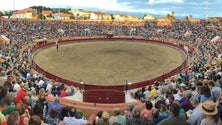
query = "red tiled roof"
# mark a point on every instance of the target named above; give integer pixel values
(23, 11)
(28, 9)
(134, 17)
(47, 12)
(121, 15)
(63, 15)
(101, 13)
(20, 12)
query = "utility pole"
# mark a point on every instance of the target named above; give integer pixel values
(42, 12)
(14, 5)
(179, 8)
(207, 9)
(151, 6)
(151, 9)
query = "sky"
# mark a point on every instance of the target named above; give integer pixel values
(182, 8)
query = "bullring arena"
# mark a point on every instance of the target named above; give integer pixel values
(98, 73)
(109, 62)
(105, 65)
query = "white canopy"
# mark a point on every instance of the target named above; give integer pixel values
(87, 30)
(149, 17)
(219, 56)
(7, 40)
(159, 30)
(188, 33)
(39, 40)
(133, 29)
(61, 31)
(215, 39)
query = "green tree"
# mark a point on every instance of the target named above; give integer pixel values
(190, 17)
(49, 16)
(8, 14)
(186, 18)
(40, 8)
(173, 15)
(85, 18)
(67, 10)
(168, 16)
(77, 16)
(1, 14)
(41, 16)
(71, 17)
(112, 17)
(144, 16)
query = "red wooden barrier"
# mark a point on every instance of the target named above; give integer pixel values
(104, 96)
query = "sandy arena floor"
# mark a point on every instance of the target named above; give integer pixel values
(109, 63)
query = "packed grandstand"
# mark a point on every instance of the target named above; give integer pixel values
(192, 96)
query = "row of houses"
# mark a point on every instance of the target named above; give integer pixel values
(75, 14)
(92, 15)
(80, 14)
(30, 13)
(25, 13)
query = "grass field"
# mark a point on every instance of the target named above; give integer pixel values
(109, 63)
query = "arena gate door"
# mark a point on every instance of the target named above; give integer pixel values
(104, 96)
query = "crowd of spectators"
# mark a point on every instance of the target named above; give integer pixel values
(191, 97)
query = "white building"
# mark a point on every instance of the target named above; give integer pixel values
(26, 13)
(133, 18)
(148, 17)
(100, 16)
(120, 17)
(61, 16)
(80, 14)
(47, 14)
(92, 15)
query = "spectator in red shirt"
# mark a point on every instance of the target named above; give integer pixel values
(21, 94)
(63, 93)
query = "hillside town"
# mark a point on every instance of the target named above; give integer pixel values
(70, 14)
(41, 12)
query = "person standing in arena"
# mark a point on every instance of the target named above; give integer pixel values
(57, 45)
